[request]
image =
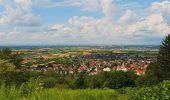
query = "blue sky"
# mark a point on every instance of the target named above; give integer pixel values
(84, 22)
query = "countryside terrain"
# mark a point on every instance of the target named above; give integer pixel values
(86, 73)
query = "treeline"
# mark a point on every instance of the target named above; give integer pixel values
(112, 80)
(51, 79)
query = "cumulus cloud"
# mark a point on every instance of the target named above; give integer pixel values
(86, 5)
(108, 9)
(156, 23)
(163, 8)
(129, 28)
(18, 12)
(128, 18)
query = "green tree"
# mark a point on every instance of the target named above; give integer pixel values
(7, 54)
(94, 81)
(163, 70)
(113, 80)
(150, 78)
(80, 80)
(119, 79)
(160, 69)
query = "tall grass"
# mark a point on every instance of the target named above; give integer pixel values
(64, 94)
(10, 93)
(24, 93)
(33, 91)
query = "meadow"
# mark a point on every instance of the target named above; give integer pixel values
(31, 91)
(14, 93)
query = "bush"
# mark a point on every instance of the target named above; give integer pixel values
(17, 77)
(113, 80)
(160, 91)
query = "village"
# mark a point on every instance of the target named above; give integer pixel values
(96, 63)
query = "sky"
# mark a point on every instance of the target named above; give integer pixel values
(84, 22)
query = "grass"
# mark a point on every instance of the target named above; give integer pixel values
(22, 93)
(33, 91)
(159, 91)
(64, 94)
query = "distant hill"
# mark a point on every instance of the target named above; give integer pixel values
(79, 46)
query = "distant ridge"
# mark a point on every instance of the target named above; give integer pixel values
(78, 46)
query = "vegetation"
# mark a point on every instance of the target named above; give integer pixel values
(160, 69)
(6, 66)
(33, 90)
(13, 93)
(14, 58)
(17, 84)
(163, 70)
(160, 91)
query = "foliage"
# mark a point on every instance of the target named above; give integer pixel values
(160, 91)
(7, 54)
(17, 77)
(33, 90)
(150, 78)
(50, 79)
(160, 69)
(6, 66)
(163, 70)
(113, 80)
(79, 81)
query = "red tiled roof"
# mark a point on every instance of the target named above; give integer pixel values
(140, 71)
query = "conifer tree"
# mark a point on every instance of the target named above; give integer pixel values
(163, 70)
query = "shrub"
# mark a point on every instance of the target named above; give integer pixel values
(160, 91)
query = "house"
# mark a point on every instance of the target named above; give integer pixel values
(82, 68)
(140, 72)
(107, 69)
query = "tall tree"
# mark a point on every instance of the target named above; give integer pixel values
(163, 70)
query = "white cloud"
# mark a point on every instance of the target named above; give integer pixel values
(108, 9)
(88, 5)
(91, 5)
(18, 12)
(156, 24)
(24, 5)
(163, 8)
(51, 4)
(128, 18)
(130, 28)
